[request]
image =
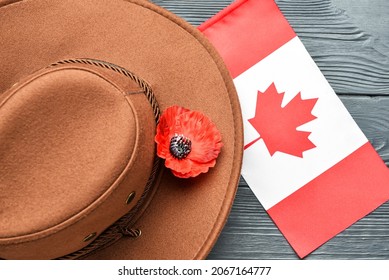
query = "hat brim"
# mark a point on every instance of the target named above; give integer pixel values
(185, 216)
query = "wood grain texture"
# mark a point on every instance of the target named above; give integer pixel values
(370, 20)
(356, 64)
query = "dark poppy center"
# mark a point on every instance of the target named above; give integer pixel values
(180, 146)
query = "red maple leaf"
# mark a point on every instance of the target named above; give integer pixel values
(277, 125)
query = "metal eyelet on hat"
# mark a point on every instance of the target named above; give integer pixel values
(130, 197)
(132, 233)
(89, 237)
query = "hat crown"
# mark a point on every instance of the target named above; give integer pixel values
(77, 139)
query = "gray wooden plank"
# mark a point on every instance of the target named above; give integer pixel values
(371, 114)
(351, 50)
(368, 15)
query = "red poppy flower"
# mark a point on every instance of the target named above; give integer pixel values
(188, 141)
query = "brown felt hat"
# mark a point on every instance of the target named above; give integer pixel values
(82, 86)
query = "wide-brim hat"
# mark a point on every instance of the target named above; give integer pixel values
(83, 85)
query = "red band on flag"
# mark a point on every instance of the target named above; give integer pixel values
(333, 201)
(247, 40)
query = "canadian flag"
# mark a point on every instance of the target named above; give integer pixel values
(305, 158)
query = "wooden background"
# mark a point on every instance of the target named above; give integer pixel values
(349, 41)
